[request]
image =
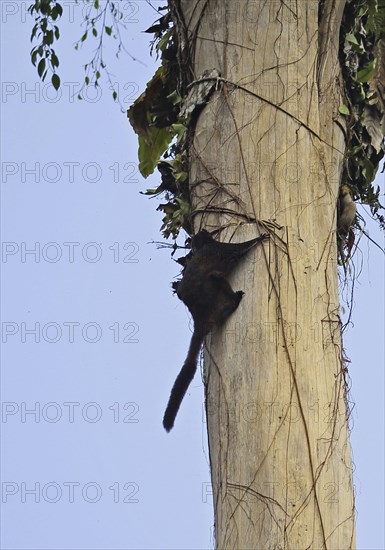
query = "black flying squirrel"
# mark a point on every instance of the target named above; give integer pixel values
(210, 299)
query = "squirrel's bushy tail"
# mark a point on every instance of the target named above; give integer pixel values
(183, 379)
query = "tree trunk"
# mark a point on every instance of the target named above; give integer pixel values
(269, 147)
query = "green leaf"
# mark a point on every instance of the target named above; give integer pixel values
(87, 80)
(366, 74)
(181, 176)
(108, 30)
(97, 75)
(34, 31)
(44, 8)
(54, 60)
(344, 109)
(56, 11)
(152, 147)
(94, 32)
(151, 191)
(357, 149)
(41, 67)
(352, 39)
(34, 56)
(55, 81)
(184, 206)
(114, 95)
(162, 44)
(139, 112)
(369, 171)
(154, 28)
(84, 37)
(179, 130)
(174, 98)
(48, 39)
(96, 4)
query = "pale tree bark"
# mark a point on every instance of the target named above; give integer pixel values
(269, 147)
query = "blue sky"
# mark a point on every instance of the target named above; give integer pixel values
(94, 337)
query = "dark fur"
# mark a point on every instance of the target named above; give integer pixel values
(210, 299)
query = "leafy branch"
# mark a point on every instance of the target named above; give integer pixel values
(47, 12)
(100, 21)
(156, 118)
(362, 56)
